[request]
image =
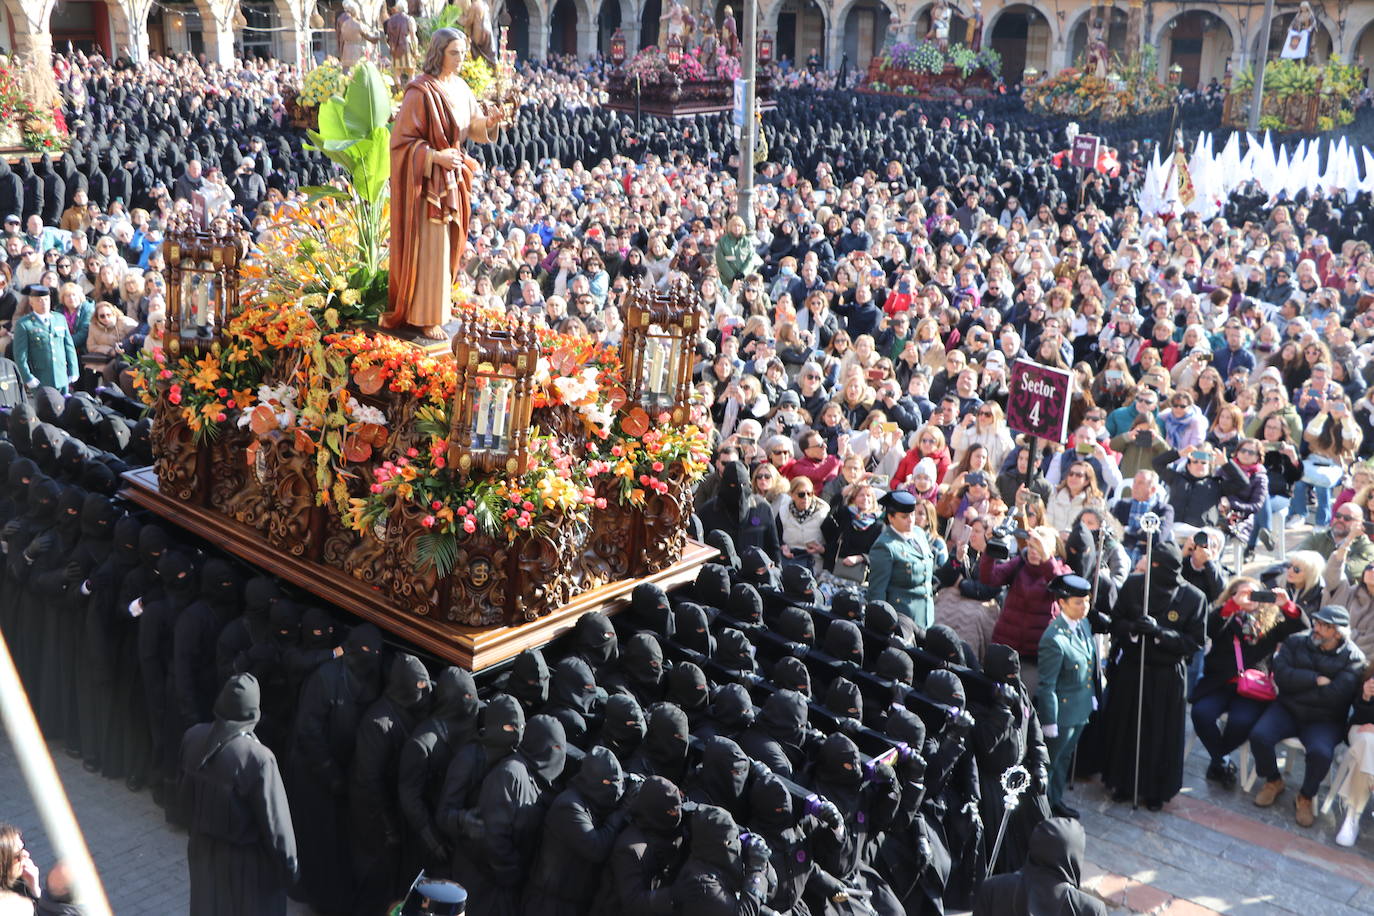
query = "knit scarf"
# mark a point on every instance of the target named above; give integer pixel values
(813, 506)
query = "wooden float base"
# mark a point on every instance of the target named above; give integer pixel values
(474, 648)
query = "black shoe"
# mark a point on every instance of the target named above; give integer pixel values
(1267, 538)
(1062, 810)
(1223, 772)
(134, 783)
(1154, 804)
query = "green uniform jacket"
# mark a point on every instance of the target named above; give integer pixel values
(1068, 664)
(44, 351)
(900, 571)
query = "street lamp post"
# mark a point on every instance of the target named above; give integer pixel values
(744, 203)
(1257, 96)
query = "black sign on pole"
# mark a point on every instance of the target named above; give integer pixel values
(1083, 153)
(1038, 402)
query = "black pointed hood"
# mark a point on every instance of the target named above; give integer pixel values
(651, 609)
(845, 642)
(770, 806)
(622, 724)
(746, 604)
(237, 710)
(258, 597)
(658, 806)
(732, 707)
(734, 652)
(503, 724)
(712, 587)
(600, 779)
(408, 684)
(455, 695)
(544, 748)
(791, 673)
(693, 629)
(529, 679)
(734, 494)
(595, 640)
(642, 660)
(573, 686)
(722, 541)
(724, 774)
(688, 688)
(844, 699)
(796, 625)
(665, 737)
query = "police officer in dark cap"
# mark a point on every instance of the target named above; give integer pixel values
(1067, 694)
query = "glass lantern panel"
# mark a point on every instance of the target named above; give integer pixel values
(491, 398)
(659, 370)
(200, 294)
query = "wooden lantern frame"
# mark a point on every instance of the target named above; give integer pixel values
(651, 316)
(484, 353)
(188, 247)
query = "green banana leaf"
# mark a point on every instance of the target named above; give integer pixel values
(355, 132)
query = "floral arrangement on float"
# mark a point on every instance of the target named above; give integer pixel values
(1298, 96)
(923, 68)
(31, 114)
(374, 414)
(1127, 91)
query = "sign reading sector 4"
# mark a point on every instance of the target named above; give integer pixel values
(1083, 154)
(1038, 403)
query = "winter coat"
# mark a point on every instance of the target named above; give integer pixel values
(1029, 607)
(1298, 664)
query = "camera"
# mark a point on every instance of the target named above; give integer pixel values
(1265, 596)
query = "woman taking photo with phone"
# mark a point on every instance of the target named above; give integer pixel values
(1247, 626)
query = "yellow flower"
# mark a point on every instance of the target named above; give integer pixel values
(339, 282)
(331, 317)
(351, 297)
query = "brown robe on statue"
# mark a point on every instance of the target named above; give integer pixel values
(430, 205)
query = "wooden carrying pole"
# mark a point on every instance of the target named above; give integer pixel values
(46, 788)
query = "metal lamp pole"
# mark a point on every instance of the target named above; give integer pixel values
(744, 202)
(1257, 94)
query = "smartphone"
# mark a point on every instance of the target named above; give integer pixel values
(874, 375)
(1084, 448)
(888, 426)
(746, 440)
(1266, 596)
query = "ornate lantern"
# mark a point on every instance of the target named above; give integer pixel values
(618, 47)
(657, 347)
(494, 398)
(1175, 74)
(674, 53)
(1029, 76)
(202, 281)
(1115, 82)
(766, 48)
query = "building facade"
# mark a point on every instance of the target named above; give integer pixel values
(1203, 39)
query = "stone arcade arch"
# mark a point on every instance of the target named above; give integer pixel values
(1024, 36)
(1200, 42)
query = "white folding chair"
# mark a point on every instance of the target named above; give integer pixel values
(1248, 775)
(1347, 762)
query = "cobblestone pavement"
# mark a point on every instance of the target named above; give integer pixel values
(141, 858)
(1209, 851)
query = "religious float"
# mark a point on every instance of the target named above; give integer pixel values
(1104, 89)
(925, 70)
(472, 496)
(31, 118)
(1297, 96)
(693, 72)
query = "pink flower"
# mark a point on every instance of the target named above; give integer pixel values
(462, 511)
(436, 504)
(413, 452)
(601, 502)
(376, 488)
(402, 462)
(165, 373)
(657, 466)
(427, 521)
(469, 525)
(523, 521)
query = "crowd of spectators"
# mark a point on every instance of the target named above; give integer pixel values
(853, 374)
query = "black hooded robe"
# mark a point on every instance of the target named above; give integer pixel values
(1171, 635)
(241, 854)
(374, 809)
(746, 518)
(646, 856)
(1006, 733)
(331, 707)
(424, 762)
(1047, 884)
(579, 833)
(514, 798)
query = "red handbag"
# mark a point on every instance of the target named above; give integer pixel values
(1252, 683)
